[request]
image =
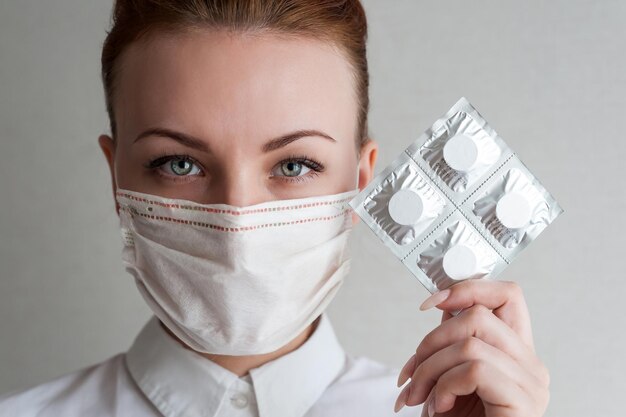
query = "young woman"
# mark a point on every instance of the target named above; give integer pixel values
(238, 133)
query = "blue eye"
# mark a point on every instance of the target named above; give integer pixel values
(182, 167)
(175, 165)
(297, 168)
(293, 168)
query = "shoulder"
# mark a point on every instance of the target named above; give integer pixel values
(365, 387)
(93, 390)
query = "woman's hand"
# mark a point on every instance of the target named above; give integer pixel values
(481, 362)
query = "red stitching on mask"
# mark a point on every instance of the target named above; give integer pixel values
(235, 229)
(234, 212)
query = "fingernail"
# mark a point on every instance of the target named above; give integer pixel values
(435, 299)
(431, 406)
(405, 373)
(401, 401)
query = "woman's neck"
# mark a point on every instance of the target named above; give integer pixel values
(240, 365)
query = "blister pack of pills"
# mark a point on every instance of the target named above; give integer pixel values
(458, 203)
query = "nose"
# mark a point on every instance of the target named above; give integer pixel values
(240, 189)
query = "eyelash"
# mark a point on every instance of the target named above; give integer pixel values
(315, 166)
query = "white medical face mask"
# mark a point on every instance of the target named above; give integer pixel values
(236, 280)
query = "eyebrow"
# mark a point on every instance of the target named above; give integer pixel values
(195, 143)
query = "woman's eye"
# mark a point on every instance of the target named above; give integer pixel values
(292, 168)
(182, 167)
(297, 169)
(176, 166)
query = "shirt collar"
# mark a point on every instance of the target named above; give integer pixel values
(181, 382)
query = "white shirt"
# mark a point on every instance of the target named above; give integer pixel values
(159, 377)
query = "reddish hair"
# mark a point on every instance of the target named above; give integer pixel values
(341, 22)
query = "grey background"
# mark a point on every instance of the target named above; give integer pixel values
(548, 75)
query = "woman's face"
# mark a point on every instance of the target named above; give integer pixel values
(200, 116)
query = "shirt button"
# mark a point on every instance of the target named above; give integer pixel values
(239, 400)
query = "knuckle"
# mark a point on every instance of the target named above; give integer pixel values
(471, 347)
(477, 313)
(514, 289)
(468, 283)
(469, 286)
(476, 369)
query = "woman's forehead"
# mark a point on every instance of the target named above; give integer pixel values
(219, 84)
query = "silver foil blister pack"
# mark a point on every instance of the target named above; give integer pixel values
(458, 203)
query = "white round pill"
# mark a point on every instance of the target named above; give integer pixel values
(513, 210)
(460, 262)
(461, 153)
(406, 207)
